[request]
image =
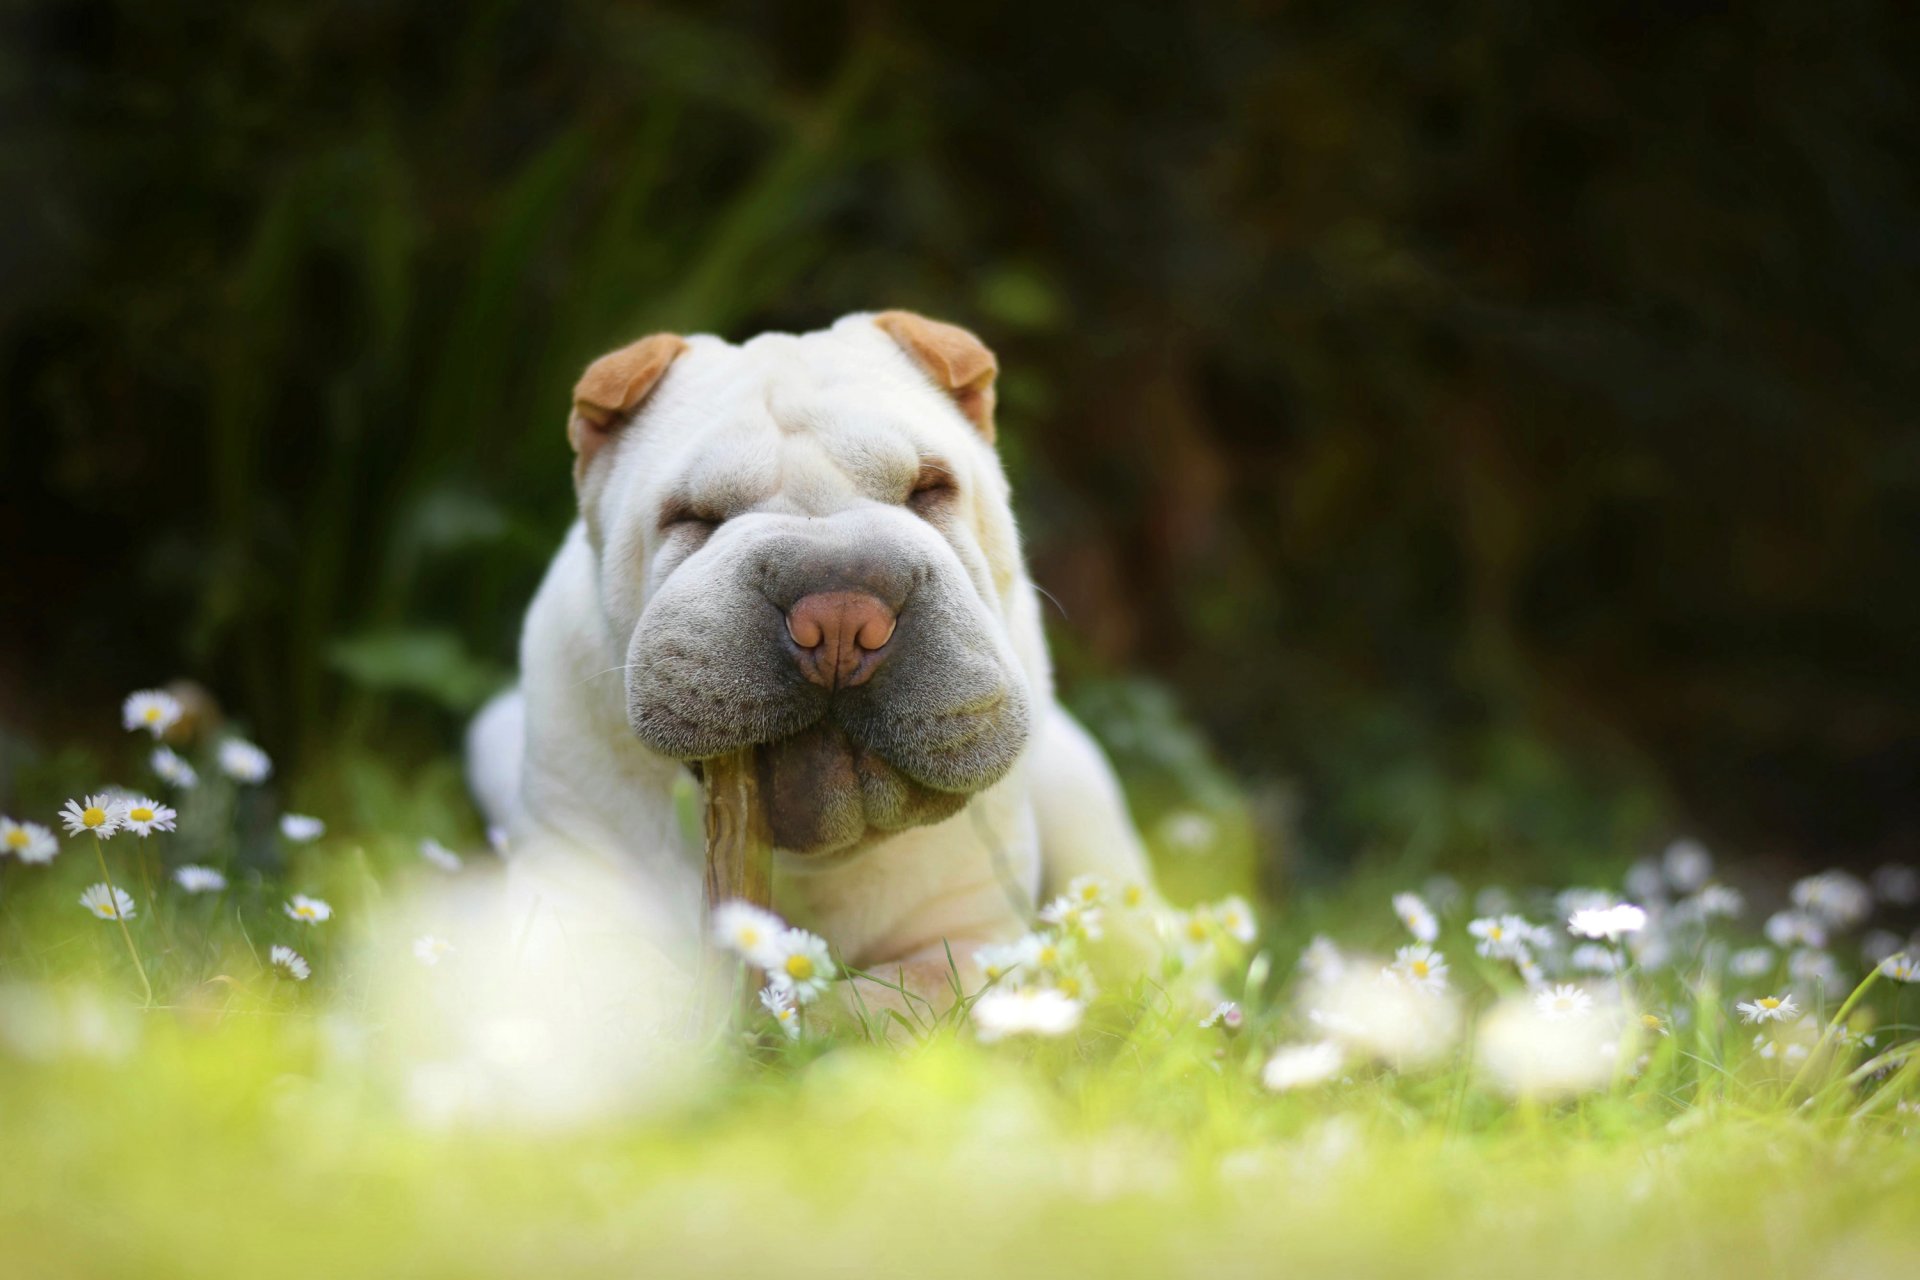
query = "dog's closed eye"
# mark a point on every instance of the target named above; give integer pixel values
(679, 516)
(933, 489)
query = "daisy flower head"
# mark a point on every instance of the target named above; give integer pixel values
(1768, 1009)
(1235, 918)
(748, 932)
(1814, 967)
(154, 710)
(1226, 1015)
(1416, 916)
(1563, 1001)
(801, 965)
(1000, 959)
(1839, 898)
(1087, 890)
(290, 962)
(1133, 895)
(1192, 933)
(28, 841)
(1751, 962)
(1298, 1066)
(197, 879)
(143, 816)
(1502, 937)
(778, 1002)
(1901, 967)
(440, 856)
(1322, 960)
(244, 762)
(171, 768)
(1716, 900)
(1795, 929)
(98, 815)
(308, 910)
(429, 949)
(1611, 923)
(1897, 884)
(300, 828)
(1646, 881)
(1594, 957)
(1072, 916)
(1687, 865)
(1027, 1011)
(1189, 831)
(1421, 967)
(1530, 971)
(108, 902)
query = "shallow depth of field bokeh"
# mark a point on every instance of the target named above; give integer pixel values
(1470, 451)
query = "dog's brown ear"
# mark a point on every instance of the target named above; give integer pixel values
(613, 388)
(956, 360)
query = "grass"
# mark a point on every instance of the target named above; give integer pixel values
(246, 1124)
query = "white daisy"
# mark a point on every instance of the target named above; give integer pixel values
(108, 902)
(497, 839)
(1235, 917)
(1088, 890)
(1420, 966)
(1563, 1001)
(1297, 1066)
(801, 965)
(1716, 900)
(1595, 957)
(244, 762)
(173, 769)
(1193, 933)
(1322, 959)
(1046, 952)
(1072, 916)
(778, 1002)
(1768, 1009)
(100, 815)
(1771, 1047)
(196, 879)
(1751, 962)
(28, 841)
(144, 816)
(300, 828)
(1795, 929)
(1687, 864)
(1226, 1015)
(748, 932)
(1530, 971)
(1839, 898)
(1815, 967)
(1646, 881)
(1902, 967)
(154, 710)
(1416, 916)
(308, 910)
(1610, 923)
(1502, 937)
(1188, 831)
(1001, 959)
(429, 949)
(1029, 1011)
(440, 856)
(291, 963)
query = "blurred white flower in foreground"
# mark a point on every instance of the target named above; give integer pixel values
(1504, 937)
(1795, 929)
(154, 710)
(28, 841)
(801, 965)
(300, 828)
(1839, 898)
(1376, 1014)
(1901, 967)
(108, 903)
(100, 815)
(244, 762)
(1087, 890)
(308, 910)
(1235, 918)
(1421, 967)
(144, 816)
(999, 960)
(291, 963)
(1189, 831)
(1071, 915)
(173, 770)
(778, 1003)
(1611, 923)
(748, 932)
(1029, 1011)
(429, 949)
(1687, 865)
(1768, 1009)
(46, 1023)
(196, 879)
(1563, 1001)
(1526, 1054)
(1226, 1015)
(440, 856)
(1322, 960)
(1416, 916)
(1297, 1066)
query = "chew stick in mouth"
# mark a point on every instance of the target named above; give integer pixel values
(739, 852)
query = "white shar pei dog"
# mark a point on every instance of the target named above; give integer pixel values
(804, 544)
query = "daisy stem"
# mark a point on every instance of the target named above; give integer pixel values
(113, 896)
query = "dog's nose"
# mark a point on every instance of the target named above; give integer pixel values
(841, 636)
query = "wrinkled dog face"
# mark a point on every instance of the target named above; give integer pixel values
(804, 545)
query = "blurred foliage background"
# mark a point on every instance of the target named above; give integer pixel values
(1484, 427)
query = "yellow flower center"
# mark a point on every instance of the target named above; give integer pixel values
(1769, 1002)
(1070, 987)
(1197, 929)
(1496, 933)
(17, 838)
(153, 715)
(1650, 1021)
(303, 911)
(93, 815)
(1089, 892)
(140, 813)
(799, 967)
(1419, 968)
(1049, 956)
(749, 937)
(1133, 895)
